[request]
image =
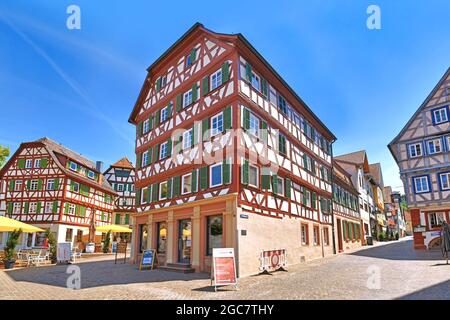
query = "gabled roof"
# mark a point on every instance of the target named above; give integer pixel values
(387, 192)
(236, 37)
(356, 158)
(376, 173)
(424, 103)
(123, 163)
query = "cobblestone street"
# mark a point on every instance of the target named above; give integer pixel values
(404, 274)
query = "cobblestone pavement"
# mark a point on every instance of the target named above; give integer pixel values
(404, 274)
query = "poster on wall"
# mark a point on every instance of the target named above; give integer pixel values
(272, 260)
(63, 251)
(224, 268)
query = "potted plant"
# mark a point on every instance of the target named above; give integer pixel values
(107, 242)
(52, 245)
(10, 249)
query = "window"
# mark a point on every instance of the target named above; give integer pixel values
(326, 236)
(434, 146)
(187, 98)
(216, 79)
(34, 185)
(144, 159)
(253, 176)
(282, 144)
(305, 238)
(415, 150)
(254, 125)
(144, 195)
(120, 187)
(146, 126)
(421, 184)
(256, 82)
(280, 186)
(18, 185)
(91, 174)
(72, 209)
(307, 197)
(17, 206)
(444, 179)
(28, 163)
(75, 187)
(143, 234)
(163, 190)
(69, 234)
(214, 234)
(164, 152)
(435, 219)
(186, 183)
(33, 207)
(316, 235)
(50, 184)
(215, 174)
(191, 57)
(217, 124)
(37, 163)
(48, 207)
(187, 139)
(161, 240)
(307, 163)
(440, 115)
(164, 114)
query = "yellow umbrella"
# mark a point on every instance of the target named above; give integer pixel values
(8, 225)
(113, 228)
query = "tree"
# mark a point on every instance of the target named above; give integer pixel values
(4, 153)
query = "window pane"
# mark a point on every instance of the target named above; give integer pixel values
(215, 231)
(216, 175)
(162, 237)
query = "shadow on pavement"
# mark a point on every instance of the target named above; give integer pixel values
(399, 250)
(99, 273)
(439, 291)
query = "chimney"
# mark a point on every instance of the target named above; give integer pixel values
(99, 166)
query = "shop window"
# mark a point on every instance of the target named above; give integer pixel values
(161, 240)
(214, 233)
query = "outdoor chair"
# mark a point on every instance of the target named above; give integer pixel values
(38, 258)
(23, 258)
(75, 254)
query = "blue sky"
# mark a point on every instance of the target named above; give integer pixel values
(79, 86)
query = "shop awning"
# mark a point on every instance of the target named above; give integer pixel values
(113, 228)
(8, 225)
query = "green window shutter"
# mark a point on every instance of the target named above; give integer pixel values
(117, 219)
(156, 153)
(127, 218)
(264, 132)
(194, 92)
(205, 129)
(226, 172)
(139, 129)
(194, 181)
(169, 110)
(138, 160)
(264, 88)
(176, 184)
(21, 163)
(265, 181)
(66, 208)
(158, 83)
(150, 122)
(205, 86)
(195, 132)
(28, 184)
(148, 195)
(155, 190)
(157, 117)
(55, 207)
(245, 171)
(313, 166)
(138, 197)
(203, 178)
(11, 185)
(38, 207)
(56, 184)
(246, 124)
(322, 173)
(39, 184)
(10, 208)
(313, 200)
(192, 55)
(193, 136)
(248, 72)
(26, 206)
(44, 162)
(225, 71)
(169, 147)
(275, 184)
(150, 155)
(169, 189)
(179, 102)
(287, 187)
(72, 185)
(227, 118)
(304, 198)
(344, 229)
(305, 161)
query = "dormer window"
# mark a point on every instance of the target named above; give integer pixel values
(28, 163)
(190, 59)
(440, 115)
(91, 174)
(73, 166)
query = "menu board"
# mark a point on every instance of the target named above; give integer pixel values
(148, 259)
(224, 267)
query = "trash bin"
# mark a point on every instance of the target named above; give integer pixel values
(369, 241)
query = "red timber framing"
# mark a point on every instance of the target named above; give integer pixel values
(189, 65)
(40, 193)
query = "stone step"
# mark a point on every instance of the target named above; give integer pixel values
(175, 267)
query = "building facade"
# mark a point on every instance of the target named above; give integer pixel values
(50, 186)
(421, 150)
(348, 225)
(227, 156)
(379, 225)
(394, 213)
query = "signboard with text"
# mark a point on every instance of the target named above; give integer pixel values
(148, 259)
(224, 267)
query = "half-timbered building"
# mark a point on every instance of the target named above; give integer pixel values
(348, 225)
(120, 176)
(421, 150)
(228, 155)
(50, 186)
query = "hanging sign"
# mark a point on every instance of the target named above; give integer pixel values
(148, 259)
(224, 267)
(272, 260)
